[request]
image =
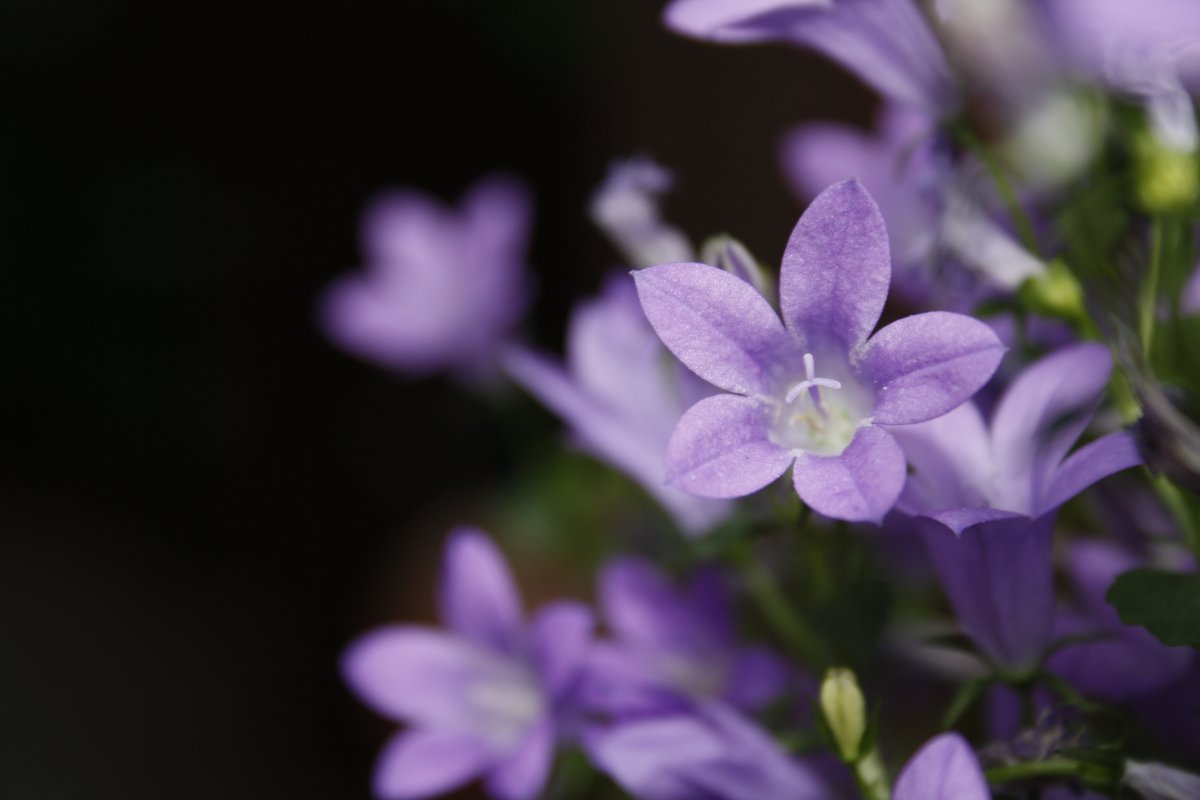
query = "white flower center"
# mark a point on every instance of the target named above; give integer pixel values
(815, 423)
(506, 705)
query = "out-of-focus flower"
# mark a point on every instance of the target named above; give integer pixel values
(886, 43)
(1126, 660)
(442, 287)
(707, 751)
(621, 394)
(931, 218)
(483, 699)
(1160, 782)
(945, 768)
(812, 390)
(678, 639)
(625, 207)
(986, 499)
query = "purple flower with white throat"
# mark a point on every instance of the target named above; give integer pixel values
(986, 499)
(811, 391)
(675, 638)
(886, 43)
(484, 699)
(442, 287)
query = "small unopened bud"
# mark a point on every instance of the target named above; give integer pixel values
(1167, 178)
(1160, 782)
(732, 256)
(845, 711)
(1054, 293)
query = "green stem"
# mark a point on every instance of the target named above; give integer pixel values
(1051, 767)
(790, 628)
(871, 777)
(1149, 299)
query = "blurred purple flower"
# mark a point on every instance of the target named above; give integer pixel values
(945, 768)
(442, 287)
(1128, 660)
(626, 208)
(482, 699)
(621, 394)
(674, 639)
(986, 500)
(706, 752)
(907, 168)
(886, 43)
(812, 391)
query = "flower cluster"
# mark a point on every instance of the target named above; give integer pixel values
(977, 361)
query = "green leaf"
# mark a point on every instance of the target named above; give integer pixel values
(1166, 603)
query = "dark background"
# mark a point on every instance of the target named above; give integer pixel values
(200, 500)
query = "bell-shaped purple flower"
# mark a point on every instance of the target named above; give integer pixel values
(621, 394)
(674, 639)
(886, 43)
(442, 287)
(986, 499)
(815, 389)
(483, 699)
(945, 768)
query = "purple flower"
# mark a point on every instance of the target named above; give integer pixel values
(621, 393)
(812, 390)
(986, 499)
(886, 43)
(945, 768)
(626, 208)
(442, 287)
(483, 699)
(674, 639)
(707, 752)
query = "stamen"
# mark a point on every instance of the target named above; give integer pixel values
(811, 382)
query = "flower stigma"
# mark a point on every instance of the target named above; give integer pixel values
(824, 426)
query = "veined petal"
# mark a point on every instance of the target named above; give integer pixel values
(927, 364)
(945, 768)
(562, 636)
(720, 448)
(425, 763)
(719, 326)
(996, 570)
(522, 775)
(1088, 464)
(860, 485)
(478, 596)
(836, 269)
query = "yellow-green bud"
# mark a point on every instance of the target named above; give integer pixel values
(845, 711)
(1167, 178)
(1054, 292)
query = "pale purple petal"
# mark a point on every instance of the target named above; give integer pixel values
(720, 448)
(720, 327)
(641, 606)
(997, 572)
(418, 675)
(523, 774)
(758, 676)
(1066, 381)
(927, 364)
(860, 485)
(650, 759)
(1189, 303)
(425, 763)
(731, 21)
(836, 269)
(562, 636)
(1088, 464)
(478, 596)
(951, 457)
(945, 768)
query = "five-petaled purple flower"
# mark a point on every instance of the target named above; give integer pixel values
(986, 499)
(443, 287)
(486, 698)
(811, 391)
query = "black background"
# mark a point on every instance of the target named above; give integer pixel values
(200, 500)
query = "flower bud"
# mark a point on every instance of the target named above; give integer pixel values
(732, 256)
(844, 708)
(1167, 178)
(1054, 293)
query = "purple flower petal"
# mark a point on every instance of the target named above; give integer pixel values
(927, 364)
(836, 269)
(951, 456)
(732, 21)
(478, 596)
(1088, 464)
(522, 775)
(945, 768)
(996, 570)
(720, 448)
(642, 607)
(720, 327)
(649, 758)
(562, 636)
(758, 676)
(860, 485)
(424, 763)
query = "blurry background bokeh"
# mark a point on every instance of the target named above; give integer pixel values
(200, 500)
